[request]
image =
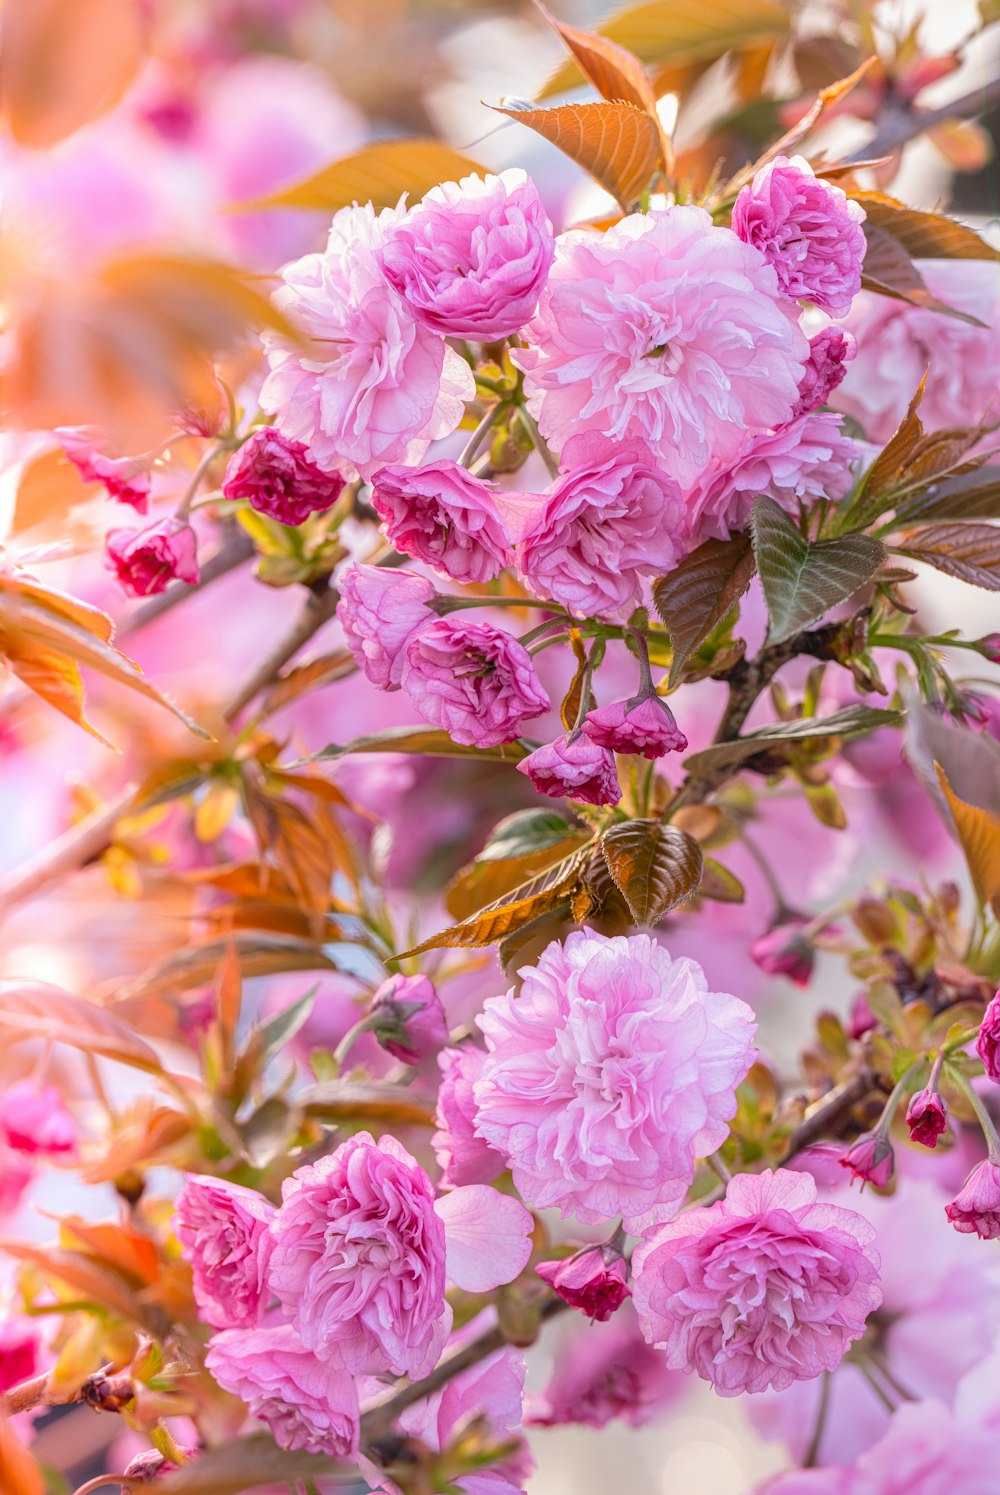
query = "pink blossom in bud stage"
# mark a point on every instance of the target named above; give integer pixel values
(871, 1160)
(19, 1351)
(808, 229)
(380, 609)
(470, 260)
(574, 767)
(830, 351)
(373, 385)
(608, 1371)
(644, 725)
(607, 1074)
(594, 1280)
(441, 515)
(798, 463)
(358, 1263)
(988, 1039)
(307, 1402)
(224, 1235)
(976, 1207)
(785, 951)
(599, 530)
(764, 1288)
(926, 1117)
(408, 1019)
(463, 1157)
(276, 477)
(666, 329)
(473, 680)
(128, 479)
(989, 647)
(35, 1121)
(146, 1467)
(146, 561)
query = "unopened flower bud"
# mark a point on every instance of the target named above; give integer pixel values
(871, 1159)
(150, 1465)
(976, 1208)
(407, 1018)
(785, 951)
(989, 647)
(927, 1118)
(594, 1280)
(145, 561)
(862, 1020)
(988, 1040)
(643, 725)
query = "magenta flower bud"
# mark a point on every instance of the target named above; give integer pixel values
(145, 561)
(927, 1118)
(988, 1040)
(785, 951)
(862, 1019)
(127, 479)
(277, 477)
(830, 351)
(989, 647)
(976, 1208)
(407, 1018)
(35, 1121)
(871, 1159)
(595, 1280)
(643, 725)
(574, 768)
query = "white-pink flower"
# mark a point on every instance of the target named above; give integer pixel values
(607, 1074)
(371, 385)
(808, 459)
(668, 329)
(764, 1288)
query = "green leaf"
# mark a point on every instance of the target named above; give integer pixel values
(802, 580)
(696, 596)
(379, 174)
(524, 832)
(698, 30)
(852, 721)
(281, 1028)
(429, 741)
(969, 552)
(654, 866)
(719, 884)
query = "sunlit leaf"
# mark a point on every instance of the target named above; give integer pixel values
(696, 596)
(64, 62)
(431, 742)
(852, 721)
(570, 707)
(654, 866)
(659, 32)
(305, 678)
(37, 1010)
(924, 236)
(91, 1281)
(979, 836)
(488, 879)
(616, 73)
(379, 174)
(803, 579)
(617, 143)
(889, 270)
(49, 489)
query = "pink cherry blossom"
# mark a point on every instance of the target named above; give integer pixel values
(408, 1019)
(373, 386)
(764, 1288)
(927, 1117)
(35, 1121)
(441, 515)
(224, 1235)
(146, 561)
(463, 1157)
(307, 1402)
(830, 351)
(379, 610)
(667, 329)
(594, 1281)
(276, 477)
(358, 1263)
(128, 479)
(808, 229)
(988, 1039)
(871, 1159)
(976, 1208)
(608, 1072)
(471, 258)
(487, 1237)
(807, 459)
(599, 529)
(574, 767)
(643, 725)
(785, 951)
(473, 680)
(607, 1371)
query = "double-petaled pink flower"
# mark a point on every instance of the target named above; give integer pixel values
(574, 766)
(463, 1156)
(276, 477)
(442, 515)
(644, 725)
(224, 1235)
(473, 680)
(146, 561)
(379, 610)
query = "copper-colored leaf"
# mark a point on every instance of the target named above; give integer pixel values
(698, 593)
(970, 552)
(36, 1010)
(825, 100)
(49, 489)
(261, 954)
(305, 678)
(570, 708)
(428, 742)
(485, 882)
(56, 680)
(19, 1474)
(924, 236)
(379, 174)
(120, 1246)
(654, 866)
(64, 62)
(889, 271)
(615, 72)
(979, 836)
(92, 1281)
(617, 143)
(891, 463)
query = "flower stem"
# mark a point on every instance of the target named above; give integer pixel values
(982, 1115)
(540, 444)
(812, 1452)
(478, 436)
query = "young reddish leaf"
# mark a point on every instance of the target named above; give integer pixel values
(824, 101)
(618, 144)
(979, 836)
(889, 271)
(970, 552)
(616, 73)
(19, 1474)
(430, 742)
(570, 707)
(37, 1010)
(924, 236)
(964, 495)
(379, 174)
(484, 882)
(654, 866)
(696, 596)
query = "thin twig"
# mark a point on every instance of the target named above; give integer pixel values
(235, 549)
(319, 609)
(829, 1110)
(903, 125)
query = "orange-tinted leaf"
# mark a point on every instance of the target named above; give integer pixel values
(56, 680)
(970, 552)
(305, 678)
(570, 707)
(654, 866)
(49, 490)
(64, 62)
(37, 1010)
(19, 1474)
(616, 73)
(965, 144)
(924, 236)
(618, 144)
(121, 1246)
(379, 174)
(979, 835)
(889, 271)
(89, 1280)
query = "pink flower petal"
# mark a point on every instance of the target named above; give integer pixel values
(487, 1237)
